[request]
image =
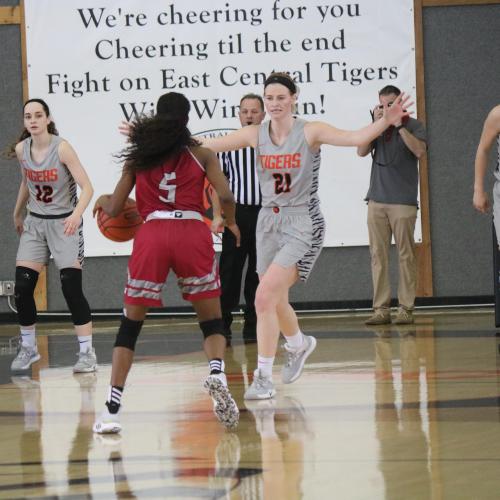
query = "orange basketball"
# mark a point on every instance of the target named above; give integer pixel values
(122, 227)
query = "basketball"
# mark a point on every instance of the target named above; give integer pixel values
(122, 227)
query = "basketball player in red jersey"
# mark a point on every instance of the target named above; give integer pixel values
(168, 168)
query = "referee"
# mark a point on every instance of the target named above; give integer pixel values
(241, 172)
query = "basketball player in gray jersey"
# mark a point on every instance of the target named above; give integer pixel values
(491, 132)
(50, 171)
(290, 227)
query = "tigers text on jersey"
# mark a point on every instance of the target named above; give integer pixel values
(51, 186)
(177, 184)
(288, 174)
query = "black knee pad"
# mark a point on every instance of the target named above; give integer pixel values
(128, 332)
(71, 283)
(212, 327)
(24, 290)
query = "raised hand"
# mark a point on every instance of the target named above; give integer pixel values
(398, 110)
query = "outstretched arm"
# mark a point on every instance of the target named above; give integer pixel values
(241, 138)
(491, 129)
(318, 133)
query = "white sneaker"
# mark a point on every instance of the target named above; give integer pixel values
(87, 362)
(225, 407)
(295, 359)
(25, 358)
(107, 423)
(262, 387)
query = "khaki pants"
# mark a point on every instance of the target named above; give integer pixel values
(385, 220)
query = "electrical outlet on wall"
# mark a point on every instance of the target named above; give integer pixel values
(6, 288)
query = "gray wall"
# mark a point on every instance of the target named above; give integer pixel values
(462, 68)
(462, 64)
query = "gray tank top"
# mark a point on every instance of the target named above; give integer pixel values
(288, 174)
(51, 186)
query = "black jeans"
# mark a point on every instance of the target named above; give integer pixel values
(232, 262)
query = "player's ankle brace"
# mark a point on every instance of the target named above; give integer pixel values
(24, 290)
(212, 327)
(128, 332)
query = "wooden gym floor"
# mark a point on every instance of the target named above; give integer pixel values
(382, 413)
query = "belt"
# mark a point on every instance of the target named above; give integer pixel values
(176, 214)
(45, 216)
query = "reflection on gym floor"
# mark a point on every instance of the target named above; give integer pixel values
(383, 413)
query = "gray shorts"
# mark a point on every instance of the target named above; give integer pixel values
(496, 207)
(289, 236)
(44, 237)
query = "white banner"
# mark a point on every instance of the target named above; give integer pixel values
(97, 63)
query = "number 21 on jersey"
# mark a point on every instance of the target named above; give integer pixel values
(168, 187)
(282, 183)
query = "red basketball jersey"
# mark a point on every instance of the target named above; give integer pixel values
(175, 185)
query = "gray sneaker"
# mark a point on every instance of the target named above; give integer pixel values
(87, 362)
(262, 387)
(295, 359)
(25, 358)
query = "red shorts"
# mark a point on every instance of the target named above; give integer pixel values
(183, 246)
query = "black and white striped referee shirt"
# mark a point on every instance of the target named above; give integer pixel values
(240, 169)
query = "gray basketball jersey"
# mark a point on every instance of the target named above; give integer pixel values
(288, 174)
(51, 186)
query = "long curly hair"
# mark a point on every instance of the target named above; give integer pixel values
(155, 139)
(10, 151)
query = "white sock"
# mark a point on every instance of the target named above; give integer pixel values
(265, 365)
(216, 364)
(85, 342)
(295, 341)
(28, 338)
